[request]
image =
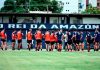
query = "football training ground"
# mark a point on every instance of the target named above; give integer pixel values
(31, 60)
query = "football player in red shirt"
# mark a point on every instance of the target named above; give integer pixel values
(3, 39)
(14, 37)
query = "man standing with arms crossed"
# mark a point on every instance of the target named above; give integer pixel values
(60, 38)
(19, 38)
(3, 39)
(14, 36)
(38, 37)
(47, 40)
(29, 39)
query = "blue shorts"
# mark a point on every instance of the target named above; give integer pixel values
(59, 41)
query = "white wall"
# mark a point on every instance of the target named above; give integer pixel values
(91, 20)
(72, 6)
(93, 2)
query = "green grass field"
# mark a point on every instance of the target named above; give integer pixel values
(25, 60)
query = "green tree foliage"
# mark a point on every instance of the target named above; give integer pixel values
(91, 10)
(21, 6)
(9, 8)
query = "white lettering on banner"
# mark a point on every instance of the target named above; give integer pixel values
(49, 26)
(11, 25)
(63, 26)
(88, 27)
(24, 25)
(73, 27)
(42, 26)
(18, 25)
(80, 27)
(95, 26)
(54, 27)
(1, 25)
(34, 26)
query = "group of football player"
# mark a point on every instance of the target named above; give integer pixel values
(73, 40)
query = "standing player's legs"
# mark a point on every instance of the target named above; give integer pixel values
(5, 45)
(47, 45)
(56, 45)
(2, 44)
(51, 43)
(98, 46)
(19, 44)
(39, 45)
(69, 45)
(74, 43)
(78, 45)
(66, 46)
(59, 46)
(82, 46)
(32, 44)
(88, 45)
(29, 44)
(36, 45)
(13, 44)
(52, 46)
(95, 46)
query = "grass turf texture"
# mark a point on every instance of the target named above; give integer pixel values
(25, 60)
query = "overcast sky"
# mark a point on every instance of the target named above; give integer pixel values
(1, 3)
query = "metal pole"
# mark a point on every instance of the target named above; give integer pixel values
(47, 9)
(15, 6)
(29, 6)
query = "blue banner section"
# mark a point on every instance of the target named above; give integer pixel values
(49, 26)
(25, 26)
